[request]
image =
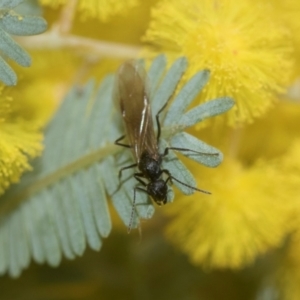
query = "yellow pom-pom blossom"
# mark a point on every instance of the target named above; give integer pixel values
(101, 9)
(247, 49)
(247, 214)
(289, 11)
(20, 140)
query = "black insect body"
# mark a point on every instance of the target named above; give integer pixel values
(150, 169)
(131, 93)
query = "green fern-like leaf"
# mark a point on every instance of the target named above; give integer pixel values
(12, 23)
(61, 206)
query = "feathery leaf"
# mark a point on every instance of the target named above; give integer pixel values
(186, 96)
(169, 84)
(9, 4)
(209, 109)
(12, 50)
(25, 25)
(7, 75)
(207, 155)
(61, 206)
(15, 24)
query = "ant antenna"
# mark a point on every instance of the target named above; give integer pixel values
(170, 177)
(189, 186)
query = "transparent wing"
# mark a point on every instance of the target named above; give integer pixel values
(131, 93)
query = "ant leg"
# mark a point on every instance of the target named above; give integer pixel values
(125, 168)
(117, 142)
(169, 175)
(158, 123)
(133, 207)
(166, 152)
(169, 178)
(137, 175)
(157, 119)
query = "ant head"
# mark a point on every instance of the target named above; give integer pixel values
(158, 190)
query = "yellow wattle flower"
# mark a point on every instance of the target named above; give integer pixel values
(246, 48)
(288, 11)
(247, 214)
(20, 141)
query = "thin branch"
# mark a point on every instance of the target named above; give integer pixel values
(53, 39)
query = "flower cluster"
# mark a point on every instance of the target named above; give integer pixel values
(20, 139)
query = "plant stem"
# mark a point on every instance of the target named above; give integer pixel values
(53, 39)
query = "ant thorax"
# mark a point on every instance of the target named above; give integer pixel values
(150, 166)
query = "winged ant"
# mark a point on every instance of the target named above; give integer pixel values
(132, 96)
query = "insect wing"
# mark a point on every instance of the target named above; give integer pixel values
(131, 92)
